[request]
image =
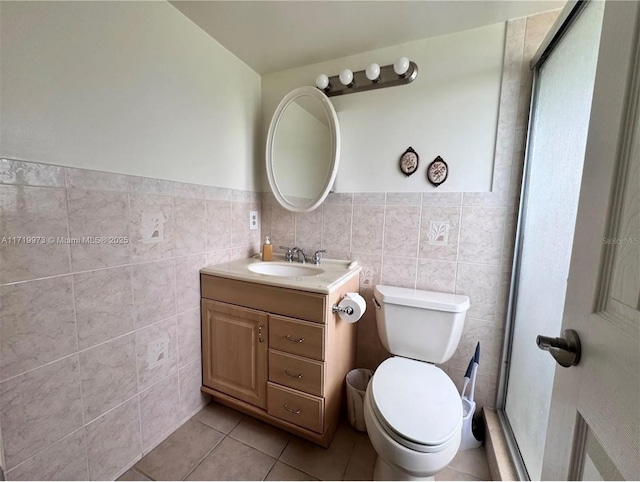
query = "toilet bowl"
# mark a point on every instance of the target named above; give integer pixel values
(413, 415)
(412, 409)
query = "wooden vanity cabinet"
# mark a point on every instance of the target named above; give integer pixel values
(234, 351)
(277, 354)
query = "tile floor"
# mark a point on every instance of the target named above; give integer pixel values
(219, 443)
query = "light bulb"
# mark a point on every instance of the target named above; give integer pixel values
(401, 66)
(346, 77)
(373, 72)
(322, 82)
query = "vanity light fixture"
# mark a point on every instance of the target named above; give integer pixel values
(373, 72)
(346, 78)
(401, 72)
(401, 66)
(322, 82)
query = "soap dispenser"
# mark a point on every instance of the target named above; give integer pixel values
(267, 250)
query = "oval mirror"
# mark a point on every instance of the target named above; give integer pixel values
(303, 149)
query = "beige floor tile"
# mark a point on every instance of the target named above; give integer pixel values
(261, 436)
(282, 471)
(325, 464)
(179, 453)
(219, 417)
(133, 474)
(472, 462)
(451, 474)
(363, 458)
(233, 460)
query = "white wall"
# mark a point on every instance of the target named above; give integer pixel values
(128, 87)
(450, 110)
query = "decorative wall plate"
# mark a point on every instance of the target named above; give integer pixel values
(409, 162)
(437, 171)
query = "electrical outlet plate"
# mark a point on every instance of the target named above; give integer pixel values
(253, 220)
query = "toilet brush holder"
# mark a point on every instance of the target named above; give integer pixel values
(469, 440)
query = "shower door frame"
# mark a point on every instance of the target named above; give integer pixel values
(565, 20)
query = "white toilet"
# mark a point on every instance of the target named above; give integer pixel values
(412, 409)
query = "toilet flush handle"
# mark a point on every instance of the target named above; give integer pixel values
(375, 302)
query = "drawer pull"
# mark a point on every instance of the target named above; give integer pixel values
(293, 340)
(292, 375)
(291, 410)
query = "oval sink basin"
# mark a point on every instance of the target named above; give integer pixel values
(285, 269)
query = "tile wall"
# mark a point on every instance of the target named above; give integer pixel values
(450, 242)
(100, 342)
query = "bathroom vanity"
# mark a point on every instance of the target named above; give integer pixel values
(271, 346)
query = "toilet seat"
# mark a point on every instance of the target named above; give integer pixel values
(417, 404)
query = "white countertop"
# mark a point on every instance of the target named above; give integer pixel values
(334, 273)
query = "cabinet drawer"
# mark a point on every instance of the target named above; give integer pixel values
(296, 407)
(284, 301)
(296, 337)
(296, 372)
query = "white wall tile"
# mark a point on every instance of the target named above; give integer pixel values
(156, 352)
(97, 180)
(218, 224)
(189, 226)
(64, 460)
(189, 339)
(98, 213)
(336, 228)
(108, 373)
(481, 234)
(401, 231)
(38, 324)
(113, 441)
(191, 398)
(151, 227)
(19, 173)
(188, 281)
(32, 212)
(39, 408)
(154, 292)
(104, 305)
(480, 283)
(368, 227)
(159, 411)
(398, 271)
(435, 275)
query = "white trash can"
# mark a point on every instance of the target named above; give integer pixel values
(357, 381)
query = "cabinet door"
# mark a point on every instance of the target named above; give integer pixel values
(234, 351)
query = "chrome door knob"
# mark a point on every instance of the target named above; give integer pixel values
(566, 350)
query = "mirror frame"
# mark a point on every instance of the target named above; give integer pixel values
(334, 133)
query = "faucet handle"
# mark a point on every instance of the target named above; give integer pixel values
(317, 256)
(288, 256)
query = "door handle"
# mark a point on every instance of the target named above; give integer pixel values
(566, 350)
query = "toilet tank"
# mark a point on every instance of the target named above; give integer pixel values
(423, 325)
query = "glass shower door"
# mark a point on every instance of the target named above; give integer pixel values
(564, 82)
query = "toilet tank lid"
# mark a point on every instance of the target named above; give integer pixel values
(431, 300)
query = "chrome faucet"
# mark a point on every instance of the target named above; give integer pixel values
(317, 257)
(300, 252)
(288, 256)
